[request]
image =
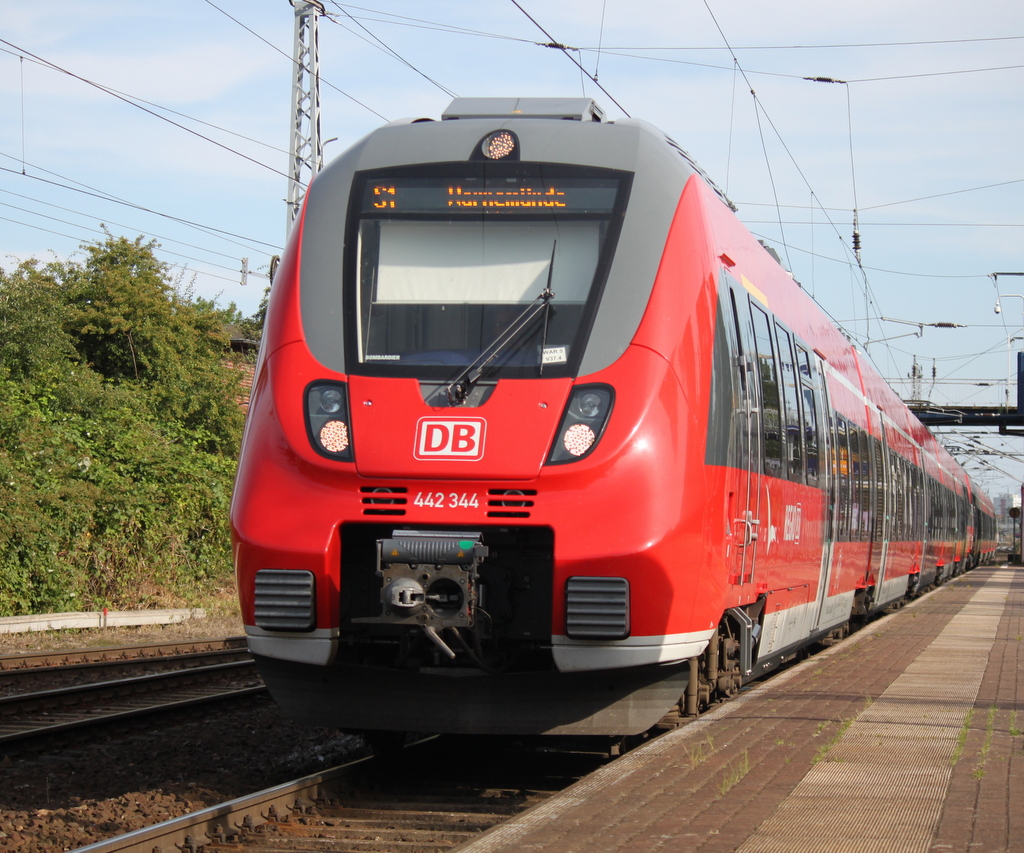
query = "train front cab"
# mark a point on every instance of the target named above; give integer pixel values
(541, 526)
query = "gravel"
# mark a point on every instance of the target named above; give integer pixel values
(64, 795)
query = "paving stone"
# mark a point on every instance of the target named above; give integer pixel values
(863, 747)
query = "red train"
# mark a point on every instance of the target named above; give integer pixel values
(543, 440)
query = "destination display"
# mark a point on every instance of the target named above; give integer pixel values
(473, 195)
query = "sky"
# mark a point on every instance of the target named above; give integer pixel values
(171, 121)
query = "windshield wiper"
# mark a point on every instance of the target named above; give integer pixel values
(459, 389)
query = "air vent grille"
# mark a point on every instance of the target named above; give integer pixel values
(510, 503)
(597, 608)
(285, 600)
(383, 500)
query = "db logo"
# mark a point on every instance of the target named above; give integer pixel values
(449, 439)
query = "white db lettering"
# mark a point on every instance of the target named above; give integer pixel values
(450, 439)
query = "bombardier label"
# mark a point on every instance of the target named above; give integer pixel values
(445, 438)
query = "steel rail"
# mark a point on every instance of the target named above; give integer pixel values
(243, 815)
(326, 811)
(51, 711)
(110, 655)
(10, 679)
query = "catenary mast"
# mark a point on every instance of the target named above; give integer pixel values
(306, 154)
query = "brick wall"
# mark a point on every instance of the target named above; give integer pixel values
(246, 371)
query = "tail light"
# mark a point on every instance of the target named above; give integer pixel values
(582, 424)
(327, 420)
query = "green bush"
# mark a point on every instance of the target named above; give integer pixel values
(118, 434)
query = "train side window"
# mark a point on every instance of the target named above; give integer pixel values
(791, 399)
(932, 528)
(920, 525)
(895, 474)
(913, 502)
(810, 433)
(948, 512)
(726, 403)
(904, 501)
(741, 419)
(809, 410)
(771, 420)
(842, 466)
(942, 522)
(864, 483)
(878, 470)
(856, 492)
(921, 519)
(945, 513)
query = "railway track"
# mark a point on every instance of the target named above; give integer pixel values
(194, 680)
(462, 787)
(101, 657)
(449, 791)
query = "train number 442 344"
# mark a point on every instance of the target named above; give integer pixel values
(451, 500)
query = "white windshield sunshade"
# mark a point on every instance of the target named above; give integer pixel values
(484, 263)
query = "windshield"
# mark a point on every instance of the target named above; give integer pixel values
(445, 263)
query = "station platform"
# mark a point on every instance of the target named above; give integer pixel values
(907, 736)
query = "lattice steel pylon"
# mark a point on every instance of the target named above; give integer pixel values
(306, 155)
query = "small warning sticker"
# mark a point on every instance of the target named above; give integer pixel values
(555, 355)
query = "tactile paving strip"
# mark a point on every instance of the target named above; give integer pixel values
(882, 784)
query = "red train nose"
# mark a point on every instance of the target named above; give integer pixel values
(395, 433)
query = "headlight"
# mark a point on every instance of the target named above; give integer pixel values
(327, 420)
(582, 424)
(331, 400)
(589, 404)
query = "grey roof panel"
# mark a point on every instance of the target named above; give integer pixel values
(575, 109)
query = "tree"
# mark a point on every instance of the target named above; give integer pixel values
(33, 342)
(131, 323)
(118, 432)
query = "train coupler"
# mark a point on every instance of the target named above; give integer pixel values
(429, 580)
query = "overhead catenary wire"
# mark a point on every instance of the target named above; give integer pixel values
(818, 248)
(553, 43)
(758, 111)
(377, 42)
(600, 39)
(135, 99)
(421, 23)
(291, 59)
(145, 107)
(106, 221)
(392, 18)
(856, 241)
(21, 66)
(128, 100)
(757, 116)
(472, 32)
(173, 266)
(831, 46)
(105, 233)
(85, 189)
(607, 51)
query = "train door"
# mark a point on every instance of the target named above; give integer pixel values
(745, 508)
(882, 528)
(827, 481)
